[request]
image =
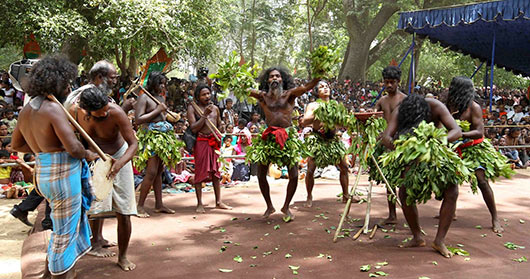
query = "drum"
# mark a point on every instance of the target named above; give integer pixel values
(101, 185)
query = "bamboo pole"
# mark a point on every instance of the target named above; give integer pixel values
(368, 208)
(386, 181)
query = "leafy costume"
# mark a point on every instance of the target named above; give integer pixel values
(424, 163)
(276, 145)
(160, 140)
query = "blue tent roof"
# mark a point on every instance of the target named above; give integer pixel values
(470, 28)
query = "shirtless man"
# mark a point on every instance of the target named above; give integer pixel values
(206, 150)
(411, 112)
(309, 119)
(108, 125)
(152, 117)
(460, 102)
(387, 104)
(276, 97)
(58, 162)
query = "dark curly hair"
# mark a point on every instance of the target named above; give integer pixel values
(412, 111)
(198, 89)
(461, 94)
(51, 75)
(155, 78)
(287, 79)
(92, 99)
(392, 72)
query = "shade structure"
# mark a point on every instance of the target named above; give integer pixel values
(471, 28)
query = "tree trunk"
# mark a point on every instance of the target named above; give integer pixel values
(133, 63)
(253, 36)
(354, 65)
(309, 27)
(73, 48)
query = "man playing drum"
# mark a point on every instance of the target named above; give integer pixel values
(108, 125)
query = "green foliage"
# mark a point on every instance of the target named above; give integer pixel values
(231, 76)
(332, 114)
(325, 152)
(424, 163)
(323, 59)
(268, 151)
(367, 134)
(8, 55)
(164, 145)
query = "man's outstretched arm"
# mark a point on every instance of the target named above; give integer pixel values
(300, 90)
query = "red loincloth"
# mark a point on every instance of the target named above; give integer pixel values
(206, 164)
(279, 133)
(468, 144)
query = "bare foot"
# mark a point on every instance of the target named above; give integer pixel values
(141, 212)
(200, 209)
(268, 212)
(221, 205)
(442, 249)
(388, 221)
(165, 210)
(438, 217)
(288, 215)
(106, 244)
(497, 228)
(415, 242)
(126, 265)
(309, 202)
(101, 252)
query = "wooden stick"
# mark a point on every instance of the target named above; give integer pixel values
(348, 203)
(368, 208)
(358, 234)
(158, 102)
(209, 123)
(374, 230)
(80, 129)
(386, 181)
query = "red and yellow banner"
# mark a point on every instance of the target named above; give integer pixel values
(159, 62)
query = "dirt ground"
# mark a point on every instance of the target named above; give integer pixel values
(189, 245)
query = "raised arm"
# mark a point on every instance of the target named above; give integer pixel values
(477, 125)
(256, 94)
(300, 90)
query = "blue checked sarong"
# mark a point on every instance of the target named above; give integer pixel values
(59, 179)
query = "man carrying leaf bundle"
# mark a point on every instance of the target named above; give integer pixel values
(487, 163)
(158, 144)
(206, 150)
(278, 143)
(324, 147)
(413, 112)
(388, 104)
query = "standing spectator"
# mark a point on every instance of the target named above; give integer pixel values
(228, 113)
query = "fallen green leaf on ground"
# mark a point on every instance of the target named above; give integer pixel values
(267, 253)
(458, 251)
(467, 259)
(252, 265)
(222, 229)
(460, 245)
(238, 258)
(478, 227)
(235, 218)
(287, 219)
(288, 256)
(423, 277)
(513, 246)
(253, 257)
(521, 221)
(499, 234)
(484, 235)
(522, 259)
(294, 269)
(227, 242)
(382, 263)
(223, 248)
(225, 270)
(365, 268)
(277, 227)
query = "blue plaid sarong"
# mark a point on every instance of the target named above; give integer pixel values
(58, 178)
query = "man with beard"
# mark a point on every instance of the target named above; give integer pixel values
(413, 110)
(387, 104)
(323, 136)
(206, 149)
(58, 167)
(461, 103)
(277, 97)
(108, 125)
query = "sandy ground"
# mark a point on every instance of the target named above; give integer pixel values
(12, 235)
(188, 245)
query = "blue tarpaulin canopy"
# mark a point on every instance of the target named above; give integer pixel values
(472, 29)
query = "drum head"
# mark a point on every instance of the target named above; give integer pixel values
(102, 186)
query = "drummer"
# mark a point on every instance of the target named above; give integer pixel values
(108, 125)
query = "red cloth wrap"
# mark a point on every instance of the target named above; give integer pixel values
(468, 144)
(279, 133)
(206, 164)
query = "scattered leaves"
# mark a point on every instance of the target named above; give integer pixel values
(365, 268)
(294, 269)
(512, 246)
(238, 259)
(225, 270)
(522, 259)
(288, 256)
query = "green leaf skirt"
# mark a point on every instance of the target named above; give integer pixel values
(269, 151)
(325, 152)
(152, 143)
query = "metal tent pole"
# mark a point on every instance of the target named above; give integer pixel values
(492, 66)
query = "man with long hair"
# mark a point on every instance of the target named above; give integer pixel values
(413, 110)
(276, 96)
(206, 149)
(58, 166)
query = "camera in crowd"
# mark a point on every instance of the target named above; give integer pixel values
(202, 72)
